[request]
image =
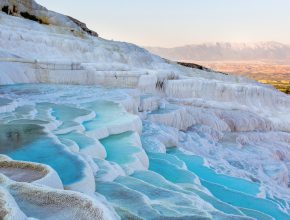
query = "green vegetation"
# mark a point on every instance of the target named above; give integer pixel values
(283, 85)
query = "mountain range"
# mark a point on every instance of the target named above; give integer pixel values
(225, 51)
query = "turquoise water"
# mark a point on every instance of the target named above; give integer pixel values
(159, 181)
(14, 136)
(23, 111)
(180, 176)
(167, 109)
(176, 186)
(68, 113)
(108, 114)
(246, 201)
(176, 202)
(81, 140)
(28, 121)
(255, 214)
(5, 102)
(234, 191)
(43, 111)
(196, 164)
(120, 148)
(230, 195)
(129, 200)
(153, 192)
(171, 172)
(168, 157)
(68, 125)
(46, 151)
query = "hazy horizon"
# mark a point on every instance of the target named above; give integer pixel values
(171, 24)
(216, 42)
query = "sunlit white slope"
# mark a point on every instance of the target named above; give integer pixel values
(179, 143)
(62, 53)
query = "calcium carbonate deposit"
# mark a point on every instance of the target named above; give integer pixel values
(98, 129)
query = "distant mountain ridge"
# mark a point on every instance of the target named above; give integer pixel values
(223, 51)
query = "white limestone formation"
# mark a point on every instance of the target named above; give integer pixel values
(98, 129)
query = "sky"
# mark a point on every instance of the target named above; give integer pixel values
(171, 23)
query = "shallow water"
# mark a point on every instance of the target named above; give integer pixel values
(15, 136)
(68, 166)
(120, 148)
(55, 125)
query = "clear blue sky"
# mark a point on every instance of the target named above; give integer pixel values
(170, 23)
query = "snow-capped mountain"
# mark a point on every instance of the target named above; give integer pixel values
(97, 129)
(222, 51)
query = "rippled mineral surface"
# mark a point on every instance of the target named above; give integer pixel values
(115, 161)
(98, 129)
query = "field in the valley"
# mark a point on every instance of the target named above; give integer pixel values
(277, 75)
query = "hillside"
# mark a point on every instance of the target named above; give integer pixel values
(266, 62)
(98, 129)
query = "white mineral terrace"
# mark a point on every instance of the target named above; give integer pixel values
(97, 129)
